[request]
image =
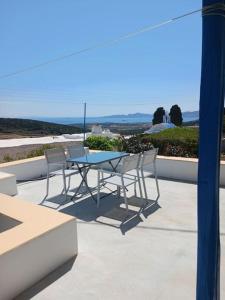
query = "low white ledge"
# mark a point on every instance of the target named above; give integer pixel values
(34, 241)
(177, 168)
(8, 184)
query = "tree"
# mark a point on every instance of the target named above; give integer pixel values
(176, 115)
(158, 116)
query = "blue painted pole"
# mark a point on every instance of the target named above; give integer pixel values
(211, 121)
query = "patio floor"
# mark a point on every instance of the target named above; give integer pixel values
(146, 256)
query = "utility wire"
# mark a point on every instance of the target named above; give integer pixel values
(104, 44)
(210, 10)
(77, 103)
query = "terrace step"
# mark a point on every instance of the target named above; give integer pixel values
(8, 184)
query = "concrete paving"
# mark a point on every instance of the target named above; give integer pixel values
(151, 255)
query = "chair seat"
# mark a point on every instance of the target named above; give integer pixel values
(116, 180)
(68, 172)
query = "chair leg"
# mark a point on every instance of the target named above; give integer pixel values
(64, 184)
(135, 189)
(98, 194)
(124, 194)
(139, 184)
(156, 181)
(144, 185)
(118, 192)
(69, 182)
(47, 187)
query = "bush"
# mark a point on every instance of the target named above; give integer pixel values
(135, 144)
(175, 142)
(102, 143)
(7, 158)
(39, 152)
(181, 142)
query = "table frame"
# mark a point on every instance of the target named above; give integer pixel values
(85, 168)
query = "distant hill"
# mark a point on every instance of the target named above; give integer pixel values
(125, 119)
(26, 127)
(186, 115)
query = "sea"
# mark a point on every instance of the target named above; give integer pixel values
(117, 119)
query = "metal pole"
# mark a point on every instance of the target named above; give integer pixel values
(85, 121)
(211, 120)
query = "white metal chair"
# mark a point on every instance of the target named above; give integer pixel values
(57, 165)
(121, 178)
(76, 151)
(148, 161)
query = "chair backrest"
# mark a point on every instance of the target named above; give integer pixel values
(148, 157)
(130, 162)
(55, 155)
(76, 151)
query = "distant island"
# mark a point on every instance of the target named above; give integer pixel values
(135, 115)
(186, 114)
(122, 119)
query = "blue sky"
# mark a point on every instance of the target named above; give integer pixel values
(157, 68)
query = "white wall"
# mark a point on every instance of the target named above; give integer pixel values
(8, 184)
(184, 169)
(177, 168)
(168, 167)
(27, 169)
(25, 265)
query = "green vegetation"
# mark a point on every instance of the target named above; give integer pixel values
(171, 142)
(32, 127)
(158, 116)
(102, 143)
(28, 154)
(7, 158)
(135, 144)
(176, 115)
(181, 142)
(178, 133)
(40, 151)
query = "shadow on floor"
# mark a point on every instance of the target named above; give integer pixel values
(46, 281)
(111, 212)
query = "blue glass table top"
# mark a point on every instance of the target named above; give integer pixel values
(97, 158)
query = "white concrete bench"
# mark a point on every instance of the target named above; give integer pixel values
(34, 241)
(8, 184)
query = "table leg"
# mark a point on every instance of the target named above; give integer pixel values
(83, 173)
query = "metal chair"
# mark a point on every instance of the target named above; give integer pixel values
(76, 151)
(57, 165)
(148, 159)
(121, 178)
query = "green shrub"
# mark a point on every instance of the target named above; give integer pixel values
(175, 142)
(135, 144)
(39, 152)
(102, 143)
(7, 158)
(178, 133)
(178, 141)
(176, 147)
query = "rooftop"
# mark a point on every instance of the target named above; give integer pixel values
(151, 255)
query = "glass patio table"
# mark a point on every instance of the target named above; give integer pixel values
(84, 164)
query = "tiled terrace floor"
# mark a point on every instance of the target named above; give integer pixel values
(151, 256)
